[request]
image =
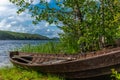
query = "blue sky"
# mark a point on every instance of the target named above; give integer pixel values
(11, 21)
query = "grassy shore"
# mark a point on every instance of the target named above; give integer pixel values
(21, 74)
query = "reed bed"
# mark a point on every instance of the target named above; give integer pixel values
(50, 47)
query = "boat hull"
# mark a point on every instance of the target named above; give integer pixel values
(80, 68)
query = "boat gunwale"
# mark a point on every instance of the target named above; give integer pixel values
(67, 62)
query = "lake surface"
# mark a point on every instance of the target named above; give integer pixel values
(10, 45)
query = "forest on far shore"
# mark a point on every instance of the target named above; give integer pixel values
(8, 35)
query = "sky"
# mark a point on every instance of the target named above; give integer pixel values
(11, 21)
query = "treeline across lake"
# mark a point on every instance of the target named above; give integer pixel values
(8, 35)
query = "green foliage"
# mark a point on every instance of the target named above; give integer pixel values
(88, 24)
(4, 35)
(115, 75)
(20, 74)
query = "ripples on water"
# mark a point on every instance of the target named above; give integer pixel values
(9, 45)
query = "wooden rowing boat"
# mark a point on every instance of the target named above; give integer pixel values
(70, 66)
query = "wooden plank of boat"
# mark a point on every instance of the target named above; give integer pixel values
(23, 59)
(20, 58)
(52, 57)
(54, 60)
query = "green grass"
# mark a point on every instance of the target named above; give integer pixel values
(115, 74)
(21, 74)
(50, 47)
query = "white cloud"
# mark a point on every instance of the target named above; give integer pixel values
(4, 2)
(8, 26)
(14, 22)
(48, 1)
(2, 23)
(2, 8)
(11, 17)
(11, 21)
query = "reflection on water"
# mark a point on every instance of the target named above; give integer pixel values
(9, 45)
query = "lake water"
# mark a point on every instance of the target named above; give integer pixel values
(9, 45)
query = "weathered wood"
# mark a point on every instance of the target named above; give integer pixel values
(20, 58)
(52, 57)
(72, 66)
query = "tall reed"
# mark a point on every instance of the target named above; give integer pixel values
(50, 47)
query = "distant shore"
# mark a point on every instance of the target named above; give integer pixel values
(8, 35)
